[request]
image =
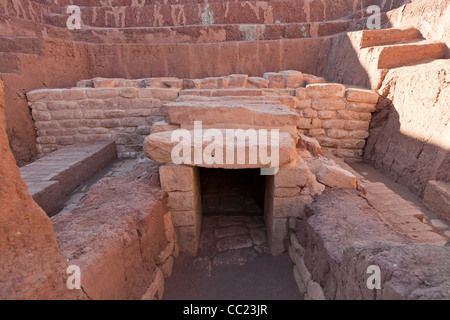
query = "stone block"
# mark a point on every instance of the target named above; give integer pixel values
(182, 200)
(114, 114)
(277, 232)
(65, 140)
(326, 115)
(257, 82)
(186, 218)
(335, 177)
(61, 105)
(361, 95)
(292, 176)
(286, 207)
(286, 192)
(361, 107)
(300, 93)
(44, 94)
(347, 115)
(162, 126)
(62, 114)
(104, 83)
(174, 83)
(159, 147)
(328, 142)
(292, 78)
(110, 123)
(352, 143)
(188, 238)
(357, 125)
(309, 113)
(128, 93)
(358, 134)
(316, 132)
(314, 292)
(73, 94)
(276, 80)
(209, 83)
(165, 94)
(337, 134)
(325, 91)
(145, 93)
(315, 80)
(334, 124)
(102, 93)
(328, 104)
(178, 177)
(304, 104)
(237, 80)
(311, 123)
(41, 115)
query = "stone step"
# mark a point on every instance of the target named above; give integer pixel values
(201, 33)
(399, 55)
(27, 45)
(287, 100)
(238, 92)
(52, 178)
(372, 38)
(9, 63)
(234, 114)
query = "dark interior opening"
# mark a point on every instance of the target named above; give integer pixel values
(238, 192)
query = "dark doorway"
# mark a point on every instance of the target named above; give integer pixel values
(229, 192)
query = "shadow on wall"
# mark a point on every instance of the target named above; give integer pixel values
(410, 133)
(411, 161)
(345, 62)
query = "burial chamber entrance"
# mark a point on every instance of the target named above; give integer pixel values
(232, 192)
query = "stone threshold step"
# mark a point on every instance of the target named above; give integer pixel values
(383, 37)
(399, 55)
(202, 33)
(52, 178)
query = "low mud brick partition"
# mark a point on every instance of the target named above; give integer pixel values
(124, 110)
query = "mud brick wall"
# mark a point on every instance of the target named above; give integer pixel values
(124, 115)
(337, 117)
(124, 111)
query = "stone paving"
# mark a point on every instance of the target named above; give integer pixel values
(230, 240)
(115, 169)
(52, 178)
(400, 207)
(233, 262)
